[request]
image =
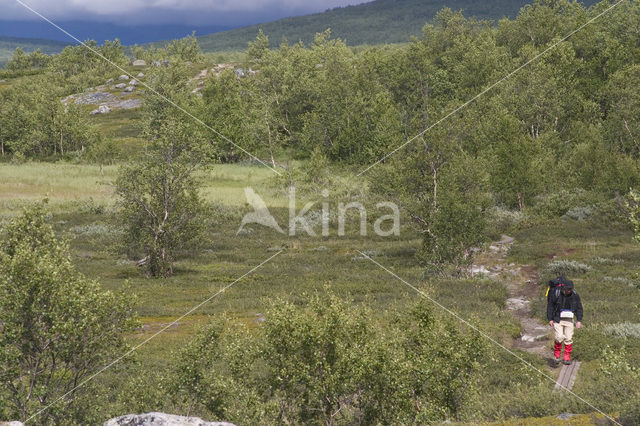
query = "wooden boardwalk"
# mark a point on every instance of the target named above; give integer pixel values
(567, 376)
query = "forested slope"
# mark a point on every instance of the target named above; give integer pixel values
(376, 22)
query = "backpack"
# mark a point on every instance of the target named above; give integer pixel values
(555, 286)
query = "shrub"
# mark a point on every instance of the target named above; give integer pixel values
(57, 326)
(622, 280)
(623, 329)
(330, 362)
(559, 203)
(502, 219)
(607, 261)
(566, 267)
(92, 229)
(579, 213)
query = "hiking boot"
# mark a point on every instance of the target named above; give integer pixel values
(556, 361)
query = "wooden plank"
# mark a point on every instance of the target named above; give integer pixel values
(560, 380)
(574, 373)
(567, 377)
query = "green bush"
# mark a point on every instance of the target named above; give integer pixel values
(307, 364)
(579, 213)
(557, 204)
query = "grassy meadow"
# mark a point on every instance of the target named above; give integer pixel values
(82, 202)
(571, 220)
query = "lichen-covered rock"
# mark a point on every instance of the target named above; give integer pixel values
(102, 109)
(161, 419)
(139, 63)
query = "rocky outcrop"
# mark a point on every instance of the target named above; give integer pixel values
(88, 98)
(102, 109)
(106, 101)
(161, 419)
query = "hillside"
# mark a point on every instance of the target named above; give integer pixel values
(377, 22)
(9, 44)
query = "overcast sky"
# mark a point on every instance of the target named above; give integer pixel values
(195, 12)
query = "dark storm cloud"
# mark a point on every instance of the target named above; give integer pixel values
(200, 12)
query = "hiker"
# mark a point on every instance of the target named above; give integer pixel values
(563, 305)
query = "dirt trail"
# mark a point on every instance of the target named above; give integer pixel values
(521, 283)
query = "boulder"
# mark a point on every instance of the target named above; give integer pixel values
(102, 109)
(160, 419)
(517, 303)
(91, 98)
(120, 86)
(156, 63)
(165, 62)
(133, 82)
(129, 89)
(139, 63)
(140, 75)
(479, 269)
(243, 72)
(123, 77)
(565, 416)
(13, 423)
(109, 81)
(127, 104)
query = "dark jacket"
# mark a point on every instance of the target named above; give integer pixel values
(555, 304)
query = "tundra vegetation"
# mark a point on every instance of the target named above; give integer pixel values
(320, 334)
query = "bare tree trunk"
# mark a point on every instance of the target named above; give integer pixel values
(273, 161)
(626, 126)
(520, 201)
(435, 187)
